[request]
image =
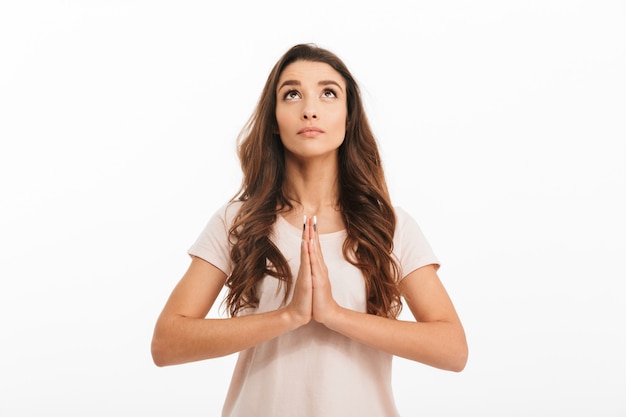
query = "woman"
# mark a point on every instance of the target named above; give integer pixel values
(316, 261)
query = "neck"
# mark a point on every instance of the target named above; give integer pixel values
(312, 186)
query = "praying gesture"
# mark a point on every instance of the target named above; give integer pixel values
(312, 298)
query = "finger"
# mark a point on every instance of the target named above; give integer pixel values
(303, 279)
(314, 262)
(316, 240)
(304, 252)
(306, 232)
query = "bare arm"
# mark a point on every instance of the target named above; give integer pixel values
(183, 334)
(436, 338)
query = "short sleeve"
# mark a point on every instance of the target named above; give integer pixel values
(212, 244)
(411, 248)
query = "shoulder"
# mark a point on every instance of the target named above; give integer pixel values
(404, 221)
(401, 214)
(230, 210)
(410, 244)
(213, 243)
(227, 212)
(221, 220)
(406, 225)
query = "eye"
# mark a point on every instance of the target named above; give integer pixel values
(291, 95)
(329, 93)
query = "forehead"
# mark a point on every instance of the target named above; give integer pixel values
(310, 71)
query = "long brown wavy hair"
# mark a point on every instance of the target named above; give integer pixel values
(363, 199)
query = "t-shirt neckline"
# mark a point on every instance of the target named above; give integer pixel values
(293, 230)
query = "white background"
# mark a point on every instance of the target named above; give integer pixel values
(502, 127)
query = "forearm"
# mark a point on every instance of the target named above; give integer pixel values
(438, 344)
(178, 339)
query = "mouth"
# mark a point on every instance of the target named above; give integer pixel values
(310, 131)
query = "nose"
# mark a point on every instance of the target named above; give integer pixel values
(309, 111)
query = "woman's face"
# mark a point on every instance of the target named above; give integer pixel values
(311, 109)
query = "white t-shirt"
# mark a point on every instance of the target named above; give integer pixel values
(311, 371)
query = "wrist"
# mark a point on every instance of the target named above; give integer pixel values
(293, 318)
(333, 317)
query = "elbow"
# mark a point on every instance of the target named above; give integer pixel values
(161, 348)
(453, 354)
(159, 353)
(458, 359)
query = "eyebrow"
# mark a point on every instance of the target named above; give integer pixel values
(320, 83)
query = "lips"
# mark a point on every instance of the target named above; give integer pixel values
(310, 131)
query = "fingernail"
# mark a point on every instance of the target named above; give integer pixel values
(304, 222)
(315, 223)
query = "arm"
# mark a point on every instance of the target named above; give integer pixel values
(436, 338)
(183, 334)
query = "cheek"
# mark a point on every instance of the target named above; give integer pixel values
(282, 118)
(340, 120)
